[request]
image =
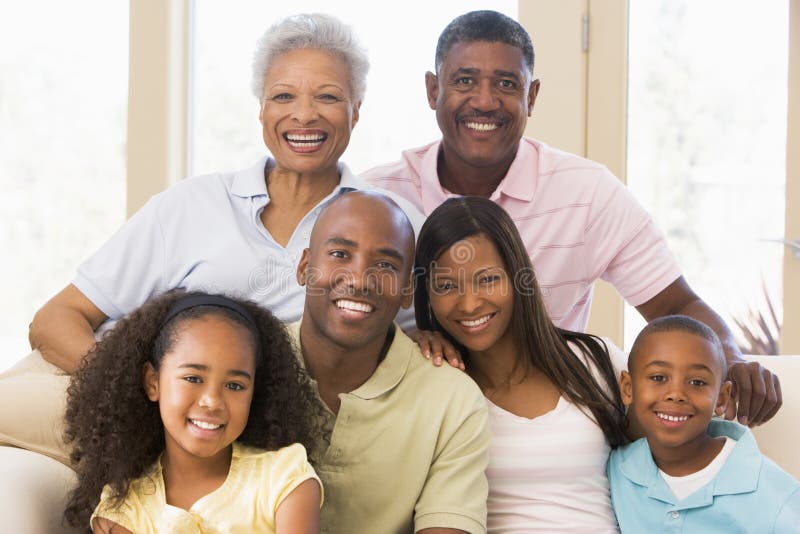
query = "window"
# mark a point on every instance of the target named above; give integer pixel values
(62, 159)
(707, 144)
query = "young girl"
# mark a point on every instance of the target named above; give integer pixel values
(191, 416)
(554, 404)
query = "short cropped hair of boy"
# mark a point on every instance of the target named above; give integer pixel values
(691, 473)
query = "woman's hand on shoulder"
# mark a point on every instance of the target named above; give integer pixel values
(434, 345)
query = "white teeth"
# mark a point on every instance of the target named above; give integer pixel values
(481, 127)
(352, 305)
(204, 425)
(476, 322)
(305, 138)
(673, 418)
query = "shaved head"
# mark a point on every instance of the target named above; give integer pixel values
(368, 206)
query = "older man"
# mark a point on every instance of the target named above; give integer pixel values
(578, 221)
(408, 442)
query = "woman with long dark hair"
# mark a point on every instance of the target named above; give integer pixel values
(554, 402)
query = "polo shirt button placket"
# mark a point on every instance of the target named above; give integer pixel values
(675, 515)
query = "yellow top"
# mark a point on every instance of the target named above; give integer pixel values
(408, 449)
(257, 483)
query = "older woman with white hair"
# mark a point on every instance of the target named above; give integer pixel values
(240, 232)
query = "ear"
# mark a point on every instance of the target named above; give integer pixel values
(626, 388)
(533, 91)
(261, 111)
(354, 120)
(302, 268)
(150, 382)
(723, 398)
(432, 88)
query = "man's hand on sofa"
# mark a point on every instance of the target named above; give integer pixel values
(756, 393)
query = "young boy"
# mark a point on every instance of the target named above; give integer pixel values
(689, 473)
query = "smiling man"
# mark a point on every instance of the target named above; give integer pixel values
(408, 442)
(579, 223)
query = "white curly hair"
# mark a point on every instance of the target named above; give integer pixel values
(311, 30)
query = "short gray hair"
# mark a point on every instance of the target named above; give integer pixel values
(488, 26)
(311, 30)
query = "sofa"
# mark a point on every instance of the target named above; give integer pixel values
(33, 486)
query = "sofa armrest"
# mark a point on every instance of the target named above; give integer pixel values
(33, 492)
(778, 437)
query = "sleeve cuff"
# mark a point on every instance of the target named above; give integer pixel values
(449, 520)
(91, 292)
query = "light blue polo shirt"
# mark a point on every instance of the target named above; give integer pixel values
(205, 233)
(751, 494)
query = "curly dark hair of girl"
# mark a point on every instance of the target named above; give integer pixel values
(116, 431)
(541, 344)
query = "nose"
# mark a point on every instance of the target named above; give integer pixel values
(675, 393)
(470, 300)
(305, 110)
(211, 399)
(484, 97)
(358, 277)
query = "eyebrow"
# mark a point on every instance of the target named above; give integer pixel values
(506, 74)
(342, 241)
(292, 86)
(472, 71)
(200, 367)
(392, 253)
(660, 363)
(702, 367)
(465, 70)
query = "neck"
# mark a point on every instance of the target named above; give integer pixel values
(182, 468)
(498, 366)
(337, 368)
(300, 190)
(688, 458)
(462, 178)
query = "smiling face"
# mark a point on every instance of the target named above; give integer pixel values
(482, 96)
(357, 270)
(204, 386)
(307, 112)
(471, 294)
(674, 387)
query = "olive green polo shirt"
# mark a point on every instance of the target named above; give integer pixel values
(408, 449)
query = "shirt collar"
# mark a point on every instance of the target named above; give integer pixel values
(745, 456)
(389, 372)
(250, 182)
(638, 467)
(519, 182)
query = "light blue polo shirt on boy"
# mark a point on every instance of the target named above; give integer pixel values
(750, 494)
(205, 233)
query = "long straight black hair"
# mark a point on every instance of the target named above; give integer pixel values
(540, 343)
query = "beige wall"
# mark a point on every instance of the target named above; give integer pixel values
(569, 116)
(157, 97)
(790, 333)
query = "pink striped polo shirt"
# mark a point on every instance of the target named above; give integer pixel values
(578, 222)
